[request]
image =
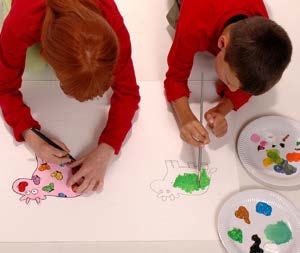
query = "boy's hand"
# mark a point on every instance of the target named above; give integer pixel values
(45, 151)
(217, 122)
(194, 133)
(92, 169)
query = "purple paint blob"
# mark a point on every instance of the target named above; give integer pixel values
(36, 179)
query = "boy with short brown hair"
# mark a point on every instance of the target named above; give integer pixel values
(251, 54)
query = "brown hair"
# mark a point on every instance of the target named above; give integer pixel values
(258, 52)
(81, 47)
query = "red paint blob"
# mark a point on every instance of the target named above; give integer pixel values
(22, 186)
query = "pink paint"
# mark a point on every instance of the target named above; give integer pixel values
(32, 189)
(263, 143)
(255, 138)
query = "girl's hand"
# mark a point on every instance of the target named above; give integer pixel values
(217, 122)
(90, 176)
(45, 151)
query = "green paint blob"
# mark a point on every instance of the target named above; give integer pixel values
(236, 234)
(278, 233)
(189, 181)
(274, 155)
(48, 188)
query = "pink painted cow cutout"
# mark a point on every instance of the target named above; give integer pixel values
(48, 179)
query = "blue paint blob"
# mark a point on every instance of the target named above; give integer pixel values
(62, 165)
(62, 195)
(278, 168)
(263, 208)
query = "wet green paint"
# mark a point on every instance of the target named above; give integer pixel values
(278, 233)
(274, 155)
(236, 234)
(189, 181)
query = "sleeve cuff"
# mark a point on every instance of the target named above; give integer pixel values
(238, 98)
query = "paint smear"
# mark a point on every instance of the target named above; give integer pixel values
(255, 138)
(293, 157)
(236, 234)
(285, 168)
(285, 137)
(263, 208)
(298, 143)
(255, 248)
(274, 155)
(278, 233)
(242, 213)
(189, 181)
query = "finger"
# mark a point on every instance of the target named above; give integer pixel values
(91, 186)
(83, 186)
(210, 119)
(98, 187)
(203, 132)
(189, 139)
(61, 144)
(76, 163)
(197, 136)
(57, 160)
(58, 153)
(75, 178)
(221, 130)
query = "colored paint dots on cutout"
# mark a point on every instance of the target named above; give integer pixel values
(189, 181)
(242, 213)
(44, 167)
(255, 248)
(298, 143)
(236, 234)
(48, 188)
(62, 195)
(278, 233)
(263, 208)
(36, 179)
(22, 186)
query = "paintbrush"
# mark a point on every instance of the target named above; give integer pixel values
(201, 121)
(50, 142)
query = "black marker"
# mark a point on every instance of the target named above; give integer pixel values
(46, 139)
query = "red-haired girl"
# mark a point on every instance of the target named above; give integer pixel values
(88, 46)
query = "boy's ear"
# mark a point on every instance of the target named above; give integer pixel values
(223, 41)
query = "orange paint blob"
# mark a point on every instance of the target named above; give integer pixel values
(293, 157)
(242, 213)
(44, 166)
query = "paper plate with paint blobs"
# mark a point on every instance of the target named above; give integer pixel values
(259, 221)
(269, 149)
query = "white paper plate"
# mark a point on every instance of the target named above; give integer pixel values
(282, 210)
(270, 131)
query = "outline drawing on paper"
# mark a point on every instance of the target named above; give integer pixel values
(48, 179)
(164, 188)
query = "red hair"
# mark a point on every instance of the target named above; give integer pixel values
(81, 47)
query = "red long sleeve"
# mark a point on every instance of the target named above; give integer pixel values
(21, 29)
(199, 26)
(18, 33)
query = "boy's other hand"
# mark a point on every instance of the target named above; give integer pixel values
(217, 122)
(194, 133)
(45, 151)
